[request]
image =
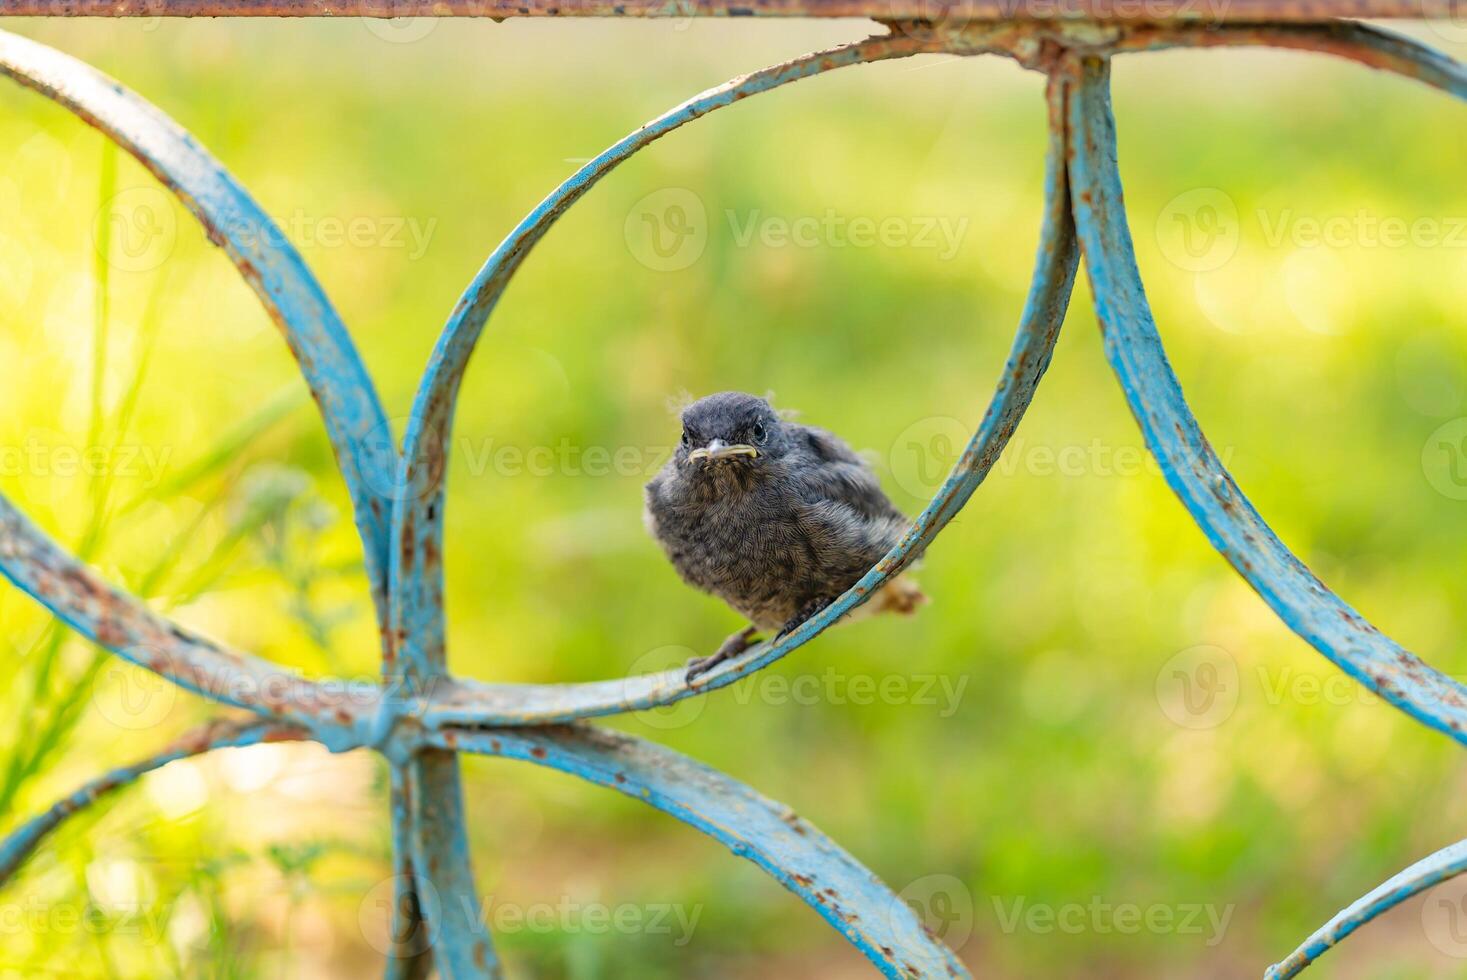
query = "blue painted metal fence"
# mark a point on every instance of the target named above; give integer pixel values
(421, 717)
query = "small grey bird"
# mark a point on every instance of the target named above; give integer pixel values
(775, 518)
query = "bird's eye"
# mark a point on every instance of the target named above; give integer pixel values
(687, 438)
(759, 433)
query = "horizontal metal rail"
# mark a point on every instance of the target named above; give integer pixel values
(950, 11)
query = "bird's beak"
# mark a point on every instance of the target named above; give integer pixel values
(717, 450)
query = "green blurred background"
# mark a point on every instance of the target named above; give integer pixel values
(1094, 714)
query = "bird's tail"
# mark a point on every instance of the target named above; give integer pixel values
(901, 595)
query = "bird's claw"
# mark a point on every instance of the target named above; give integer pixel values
(744, 638)
(807, 612)
(732, 647)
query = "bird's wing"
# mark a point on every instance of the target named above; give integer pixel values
(844, 542)
(838, 476)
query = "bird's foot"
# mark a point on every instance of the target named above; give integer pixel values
(732, 647)
(807, 611)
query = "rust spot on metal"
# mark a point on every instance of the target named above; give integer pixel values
(111, 635)
(407, 544)
(914, 12)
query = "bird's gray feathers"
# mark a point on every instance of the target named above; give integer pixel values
(839, 474)
(775, 533)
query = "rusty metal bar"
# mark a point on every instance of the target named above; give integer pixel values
(887, 10)
(1365, 45)
(443, 870)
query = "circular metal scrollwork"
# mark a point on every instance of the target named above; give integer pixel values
(420, 717)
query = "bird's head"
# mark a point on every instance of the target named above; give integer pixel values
(730, 433)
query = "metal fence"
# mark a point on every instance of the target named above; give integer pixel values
(420, 716)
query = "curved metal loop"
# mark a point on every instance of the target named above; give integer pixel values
(417, 527)
(415, 637)
(217, 734)
(1196, 475)
(1447, 863)
(355, 421)
(475, 703)
(851, 898)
